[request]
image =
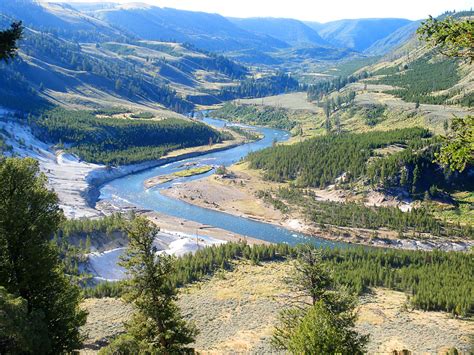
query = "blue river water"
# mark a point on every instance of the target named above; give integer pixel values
(130, 189)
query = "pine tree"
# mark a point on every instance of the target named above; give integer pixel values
(416, 178)
(404, 176)
(323, 332)
(8, 41)
(157, 326)
(325, 323)
(29, 264)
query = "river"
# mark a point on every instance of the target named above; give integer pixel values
(130, 190)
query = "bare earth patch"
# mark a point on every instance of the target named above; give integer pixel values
(234, 195)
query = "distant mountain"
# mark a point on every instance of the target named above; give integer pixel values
(208, 31)
(70, 58)
(358, 34)
(393, 40)
(420, 74)
(60, 18)
(293, 32)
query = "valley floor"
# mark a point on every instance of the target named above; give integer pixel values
(236, 312)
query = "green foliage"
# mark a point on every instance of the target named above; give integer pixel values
(120, 141)
(267, 197)
(325, 323)
(320, 331)
(121, 49)
(318, 91)
(457, 151)
(319, 161)
(8, 41)
(111, 111)
(439, 281)
(84, 227)
(216, 62)
(373, 114)
(104, 289)
(207, 261)
(143, 115)
(355, 215)
(74, 237)
(105, 72)
(452, 37)
(415, 169)
(255, 115)
(442, 281)
(29, 264)
(21, 331)
(248, 134)
(122, 345)
(270, 85)
(157, 325)
(423, 77)
(193, 171)
(331, 105)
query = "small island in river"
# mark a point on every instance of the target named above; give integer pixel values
(162, 179)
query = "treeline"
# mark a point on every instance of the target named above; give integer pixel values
(356, 215)
(251, 88)
(246, 133)
(317, 162)
(421, 78)
(438, 281)
(255, 115)
(117, 141)
(318, 91)
(331, 105)
(84, 227)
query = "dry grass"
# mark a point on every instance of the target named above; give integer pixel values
(292, 101)
(236, 312)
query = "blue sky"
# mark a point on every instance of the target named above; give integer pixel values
(314, 10)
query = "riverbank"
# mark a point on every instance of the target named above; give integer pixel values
(236, 193)
(77, 183)
(183, 226)
(177, 236)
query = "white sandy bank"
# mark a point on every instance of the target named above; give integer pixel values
(104, 266)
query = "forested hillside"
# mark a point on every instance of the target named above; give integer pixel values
(257, 116)
(267, 86)
(115, 141)
(74, 59)
(421, 74)
(319, 161)
(422, 80)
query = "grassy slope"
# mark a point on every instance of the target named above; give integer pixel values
(234, 315)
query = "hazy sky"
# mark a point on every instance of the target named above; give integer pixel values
(314, 10)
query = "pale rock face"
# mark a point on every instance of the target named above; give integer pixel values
(104, 266)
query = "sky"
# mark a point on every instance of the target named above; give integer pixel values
(313, 10)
